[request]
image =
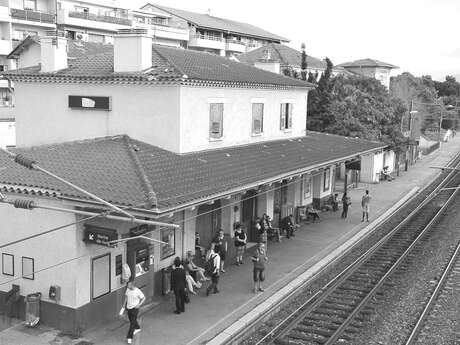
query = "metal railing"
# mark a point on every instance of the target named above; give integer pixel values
(208, 37)
(34, 16)
(100, 18)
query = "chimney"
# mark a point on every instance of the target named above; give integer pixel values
(132, 50)
(53, 51)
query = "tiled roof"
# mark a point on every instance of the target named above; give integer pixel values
(169, 65)
(367, 63)
(282, 54)
(108, 167)
(222, 24)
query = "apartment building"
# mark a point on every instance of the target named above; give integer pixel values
(218, 35)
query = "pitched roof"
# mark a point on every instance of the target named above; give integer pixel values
(367, 63)
(282, 54)
(169, 65)
(119, 169)
(210, 22)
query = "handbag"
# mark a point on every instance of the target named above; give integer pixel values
(186, 297)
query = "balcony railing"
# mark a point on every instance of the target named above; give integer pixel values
(100, 18)
(33, 16)
(235, 42)
(208, 37)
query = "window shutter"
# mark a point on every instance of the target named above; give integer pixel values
(289, 124)
(215, 120)
(282, 117)
(257, 117)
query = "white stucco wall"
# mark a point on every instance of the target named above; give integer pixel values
(237, 116)
(371, 166)
(46, 250)
(149, 114)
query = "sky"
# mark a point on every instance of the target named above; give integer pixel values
(420, 37)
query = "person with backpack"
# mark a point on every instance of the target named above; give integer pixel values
(259, 267)
(213, 269)
(220, 247)
(240, 243)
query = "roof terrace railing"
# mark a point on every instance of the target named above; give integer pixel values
(100, 18)
(208, 37)
(34, 16)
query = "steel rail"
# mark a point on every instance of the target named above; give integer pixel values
(421, 320)
(395, 266)
(350, 269)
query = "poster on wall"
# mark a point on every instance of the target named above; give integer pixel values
(169, 247)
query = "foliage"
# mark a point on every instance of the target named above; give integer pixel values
(303, 64)
(361, 107)
(355, 106)
(449, 87)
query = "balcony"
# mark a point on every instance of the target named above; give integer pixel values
(33, 16)
(5, 47)
(235, 46)
(205, 41)
(95, 21)
(165, 32)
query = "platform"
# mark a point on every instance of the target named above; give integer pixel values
(221, 314)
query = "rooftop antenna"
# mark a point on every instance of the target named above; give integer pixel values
(208, 12)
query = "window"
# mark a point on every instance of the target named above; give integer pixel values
(30, 5)
(257, 118)
(7, 264)
(81, 9)
(306, 186)
(216, 114)
(327, 179)
(286, 116)
(100, 276)
(27, 268)
(169, 247)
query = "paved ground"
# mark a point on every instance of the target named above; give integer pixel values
(205, 317)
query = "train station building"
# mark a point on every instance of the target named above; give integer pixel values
(189, 139)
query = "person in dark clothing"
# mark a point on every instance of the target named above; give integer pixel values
(346, 202)
(289, 225)
(178, 285)
(220, 247)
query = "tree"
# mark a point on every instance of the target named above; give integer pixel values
(303, 64)
(318, 101)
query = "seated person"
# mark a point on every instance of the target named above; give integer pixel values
(386, 174)
(289, 225)
(311, 211)
(195, 271)
(191, 283)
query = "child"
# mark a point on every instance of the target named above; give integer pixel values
(259, 267)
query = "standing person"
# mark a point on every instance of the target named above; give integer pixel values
(261, 231)
(214, 271)
(134, 298)
(220, 247)
(366, 199)
(346, 202)
(259, 267)
(240, 243)
(178, 285)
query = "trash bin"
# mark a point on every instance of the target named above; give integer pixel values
(166, 280)
(33, 309)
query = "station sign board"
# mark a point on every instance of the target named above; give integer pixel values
(99, 235)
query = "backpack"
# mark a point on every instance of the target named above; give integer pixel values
(209, 266)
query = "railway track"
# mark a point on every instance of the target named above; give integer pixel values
(434, 311)
(335, 313)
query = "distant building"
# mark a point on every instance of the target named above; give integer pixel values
(371, 68)
(281, 59)
(221, 36)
